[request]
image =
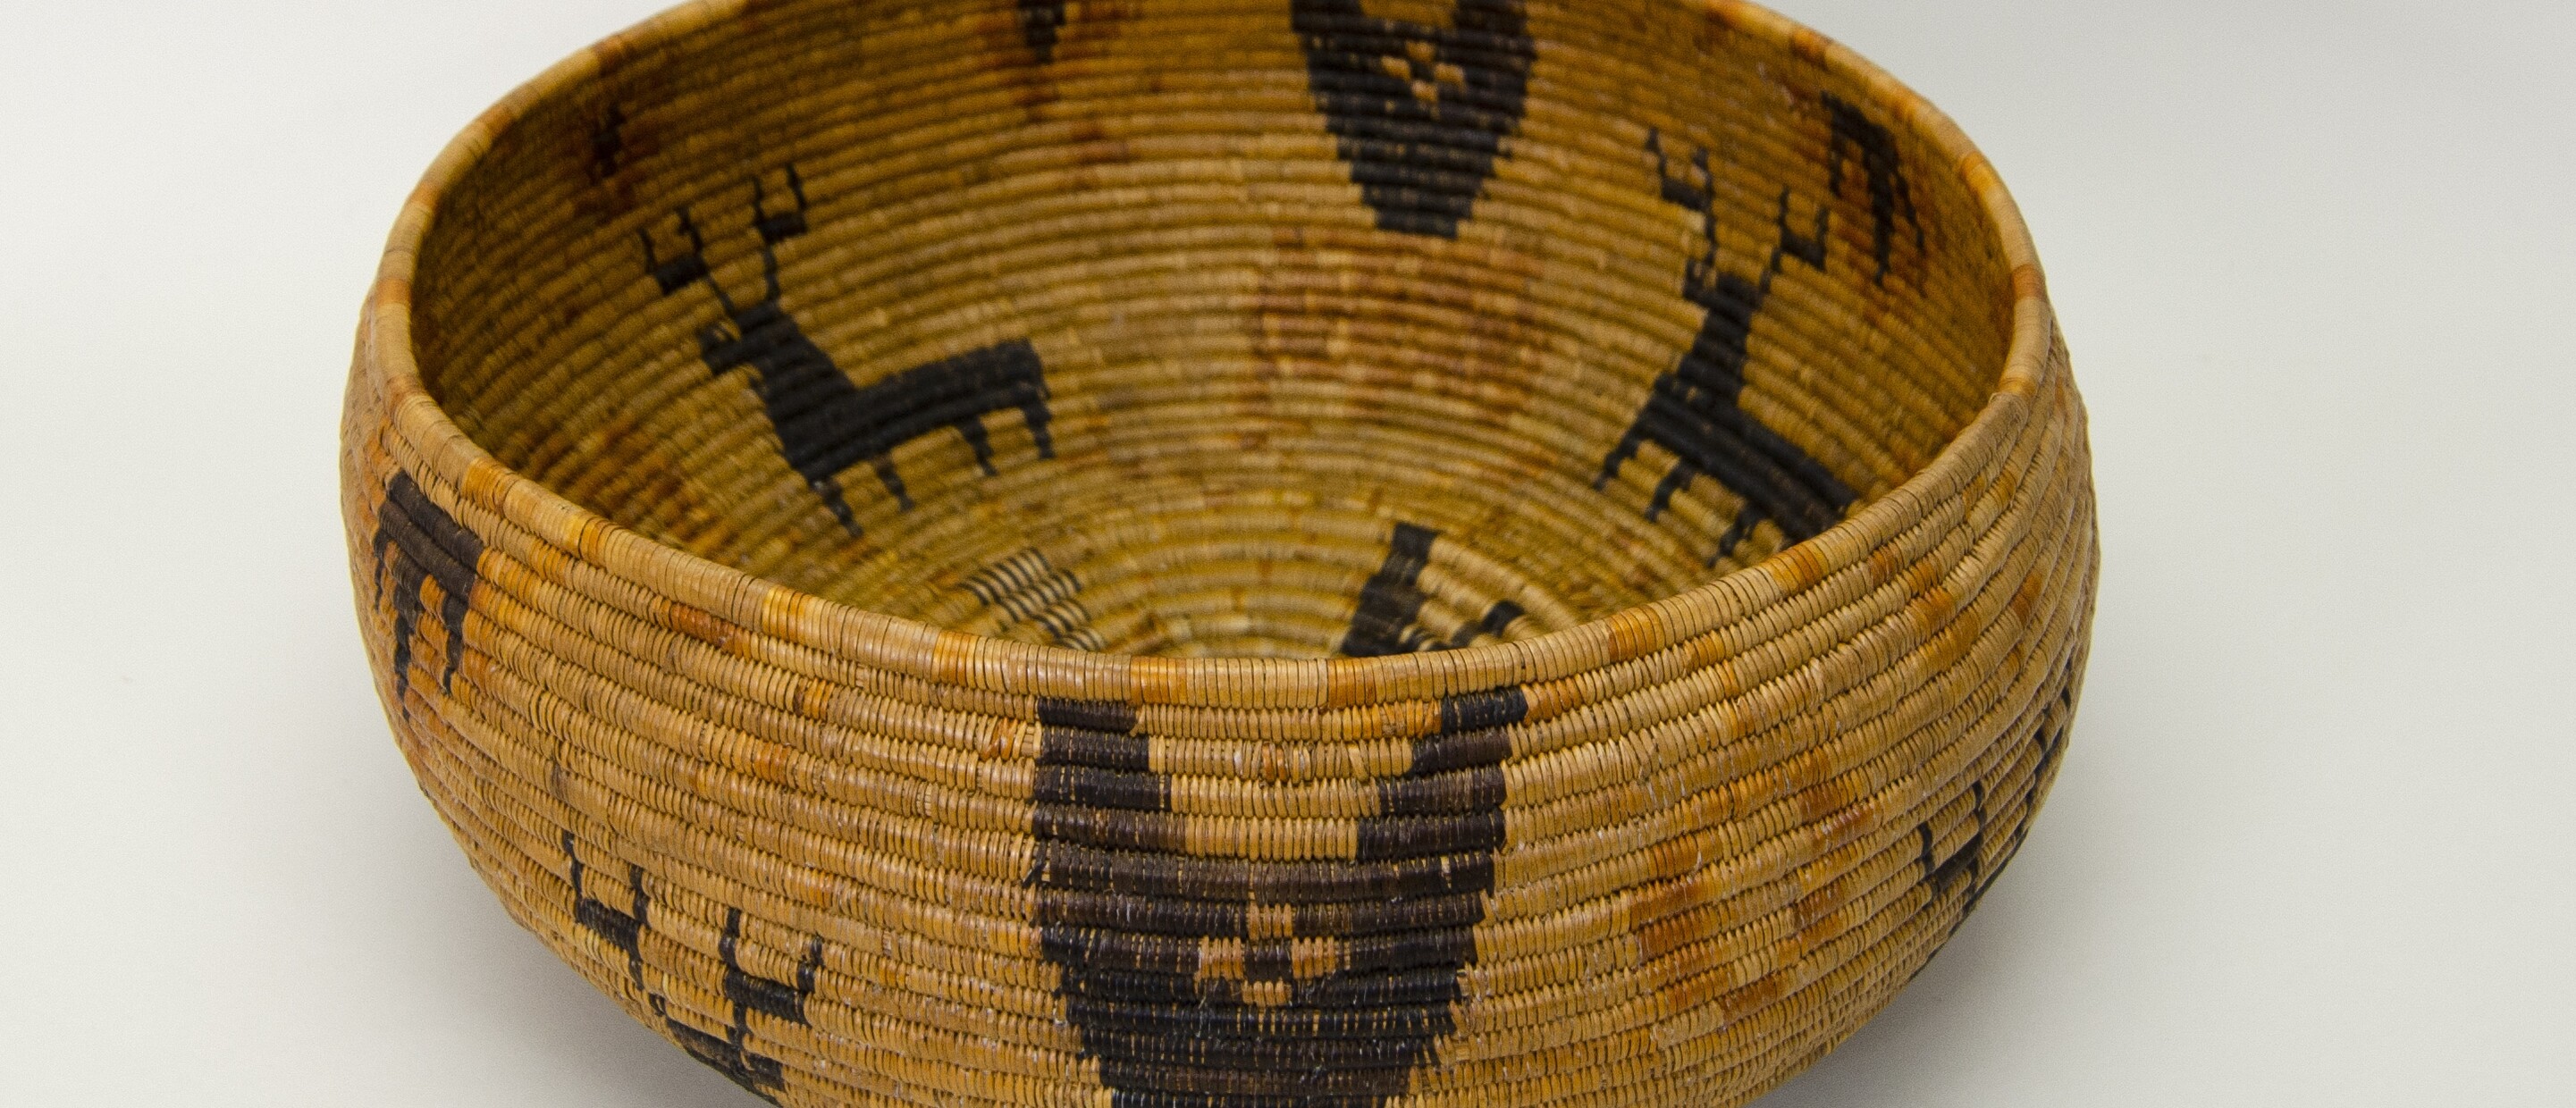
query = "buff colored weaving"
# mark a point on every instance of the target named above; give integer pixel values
(1225, 553)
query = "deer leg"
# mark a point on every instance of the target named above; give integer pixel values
(1675, 481)
(1742, 529)
(1619, 456)
(973, 428)
(830, 491)
(1035, 411)
(893, 481)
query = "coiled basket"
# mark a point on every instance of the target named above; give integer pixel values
(1225, 553)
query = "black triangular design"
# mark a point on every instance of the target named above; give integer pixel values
(1422, 112)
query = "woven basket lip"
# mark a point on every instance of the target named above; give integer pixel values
(928, 652)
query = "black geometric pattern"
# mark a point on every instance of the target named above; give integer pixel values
(1200, 982)
(1027, 588)
(1421, 112)
(1042, 22)
(1856, 135)
(1392, 600)
(417, 542)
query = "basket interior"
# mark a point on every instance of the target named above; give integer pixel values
(1293, 328)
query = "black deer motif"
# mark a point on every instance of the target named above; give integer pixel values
(1421, 112)
(824, 422)
(1693, 411)
(1392, 600)
(1219, 982)
(1967, 867)
(418, 542)
(730, 1053)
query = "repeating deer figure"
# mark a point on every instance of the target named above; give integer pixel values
(729, 1053)
(1693, 411)
(824, 422)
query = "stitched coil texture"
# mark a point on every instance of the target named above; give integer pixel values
(1225, 553)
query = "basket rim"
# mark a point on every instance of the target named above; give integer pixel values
(949, 657)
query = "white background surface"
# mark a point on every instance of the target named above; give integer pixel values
(2313, 844)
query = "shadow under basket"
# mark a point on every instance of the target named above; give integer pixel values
(1225, 553)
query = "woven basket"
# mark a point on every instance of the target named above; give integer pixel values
(1177, 553)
